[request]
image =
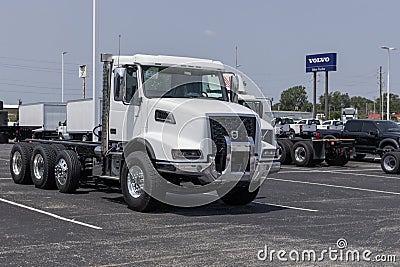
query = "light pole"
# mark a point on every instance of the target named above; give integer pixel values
(62, 76)
(388, 80)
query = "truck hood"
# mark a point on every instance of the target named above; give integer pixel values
(197, 106)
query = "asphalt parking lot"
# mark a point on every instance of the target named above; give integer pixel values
(296, 209)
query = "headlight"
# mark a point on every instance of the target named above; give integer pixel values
(186, 154)
(164, 116)
(268, 153)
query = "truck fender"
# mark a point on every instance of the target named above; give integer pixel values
(140, 144)
(388, 141)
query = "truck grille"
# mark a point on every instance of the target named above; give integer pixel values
(238, 128)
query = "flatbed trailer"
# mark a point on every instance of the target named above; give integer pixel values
(310, 152)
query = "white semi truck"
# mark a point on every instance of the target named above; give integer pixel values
(167, 121)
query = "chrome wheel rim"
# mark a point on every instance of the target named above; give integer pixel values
(38, 166)
(389, 162)
(61, 171)
(300, 154)
(17, 163)
(135, 181)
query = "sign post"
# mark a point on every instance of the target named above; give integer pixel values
(317, 63)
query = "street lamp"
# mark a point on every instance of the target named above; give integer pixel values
(62, 76)
(388, 80)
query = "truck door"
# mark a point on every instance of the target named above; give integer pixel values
(369, 135)
(123, 111)
(353, 131)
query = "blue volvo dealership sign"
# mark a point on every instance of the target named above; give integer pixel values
(321, 62)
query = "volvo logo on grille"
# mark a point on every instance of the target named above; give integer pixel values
(234, 134)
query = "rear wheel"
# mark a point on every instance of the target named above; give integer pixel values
(303, 154)
(20, 163)
(238, 196)
(42, 166)
(67, 171)
(390, 162)
(141, 183)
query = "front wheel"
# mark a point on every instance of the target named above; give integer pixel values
(141, 183)
(390, 162)
(238, 196)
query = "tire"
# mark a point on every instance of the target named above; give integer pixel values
(360, 156)
(42, 166)
(141, 185)
(303, 154)
(286, 155)
(238, 196)
(58, 148)
(339, 161)
(67, 171)
(20, 158)
(390, 162)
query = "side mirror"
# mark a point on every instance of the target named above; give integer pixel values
(59, 123)
(120, 83)
(234, 80)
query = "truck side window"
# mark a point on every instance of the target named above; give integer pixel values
(368, 127)
(353, 126)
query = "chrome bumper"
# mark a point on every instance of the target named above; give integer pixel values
(259, 169)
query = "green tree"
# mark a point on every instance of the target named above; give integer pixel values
(295, 98)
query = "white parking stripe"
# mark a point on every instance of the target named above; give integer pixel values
(284, 206)
(5, 178)
(336, 186)
(346, 172)
(50, 214)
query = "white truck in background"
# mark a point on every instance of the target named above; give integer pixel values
(349, 114)
(45, 116)
(79, 123)
(166, 122)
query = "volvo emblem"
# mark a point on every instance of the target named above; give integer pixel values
(234, 135)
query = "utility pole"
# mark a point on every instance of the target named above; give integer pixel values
(380, 90)
(236, 58)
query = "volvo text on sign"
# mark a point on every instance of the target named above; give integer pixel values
(321, 62)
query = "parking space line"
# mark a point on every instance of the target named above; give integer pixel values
(336, 186)
(345, 172)
(50, 214)
(287, 207)
(5, 178)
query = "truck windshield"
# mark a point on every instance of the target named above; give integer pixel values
(388, 126)
(174, 82)
(256, 106)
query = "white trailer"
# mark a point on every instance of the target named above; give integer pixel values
(80, 119)
(44, 116)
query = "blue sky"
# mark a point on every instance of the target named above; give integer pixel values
(273, 38)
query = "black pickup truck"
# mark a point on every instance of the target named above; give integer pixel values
(371, 136)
